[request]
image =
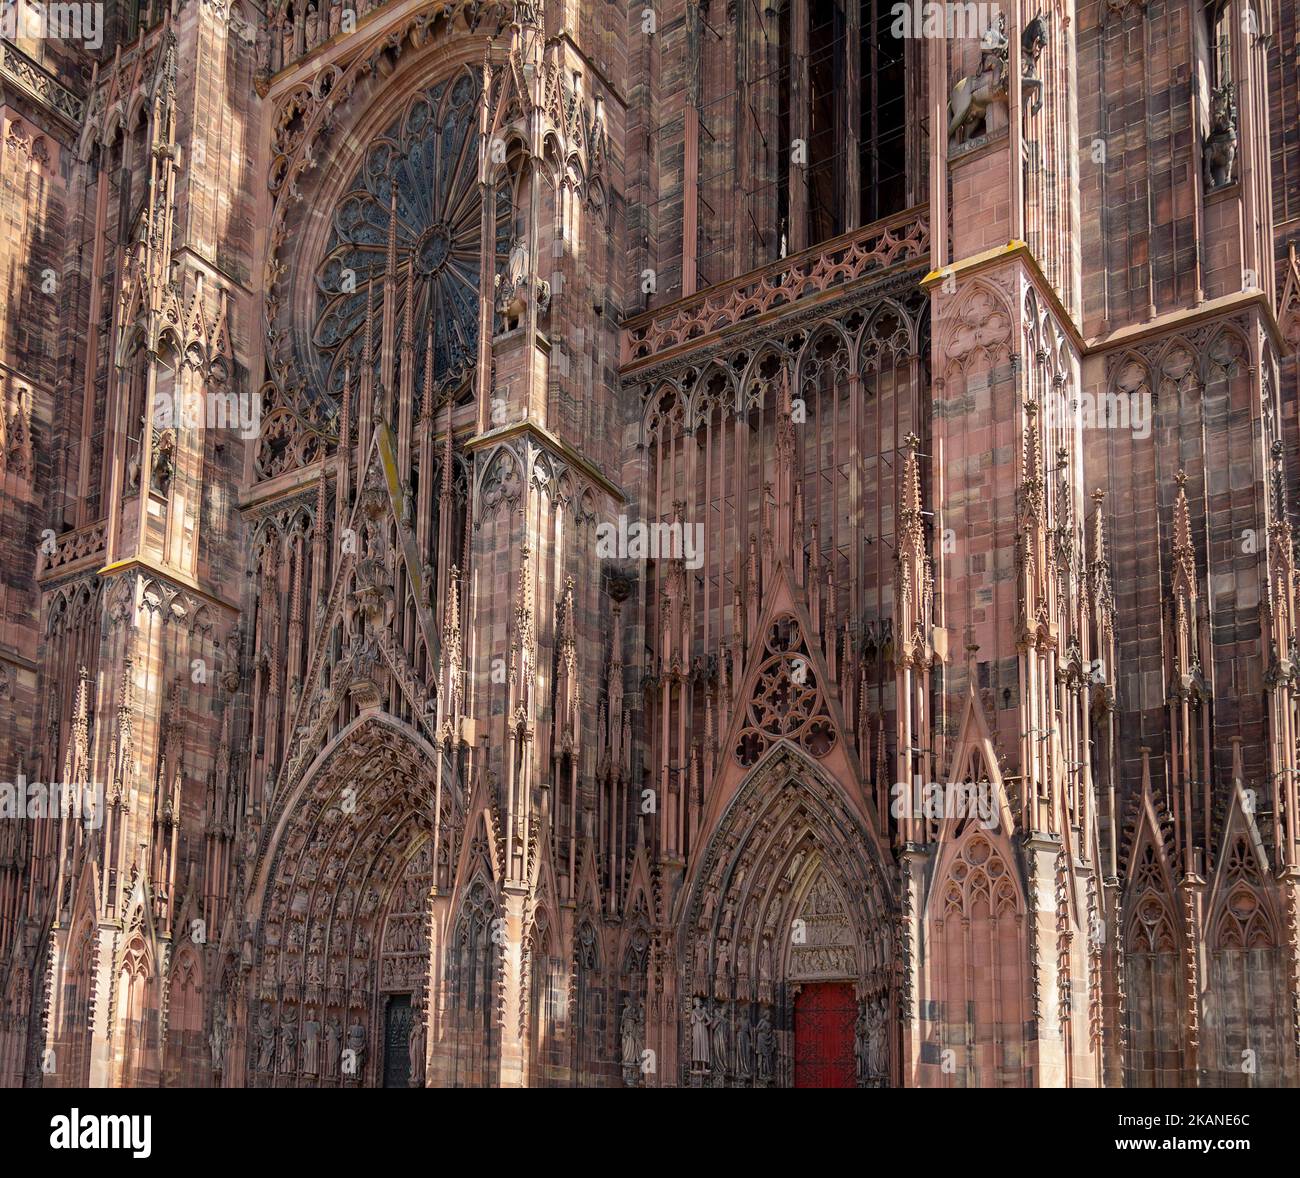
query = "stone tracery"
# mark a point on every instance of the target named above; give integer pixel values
(416, 192)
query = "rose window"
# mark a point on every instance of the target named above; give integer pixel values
(428, 160)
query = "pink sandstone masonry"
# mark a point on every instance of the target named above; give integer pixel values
(692, 545)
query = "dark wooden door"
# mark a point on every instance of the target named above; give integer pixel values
(397, 1042)
(824, 1018)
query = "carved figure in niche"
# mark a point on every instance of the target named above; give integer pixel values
(878, 1047)
(744, 1047)
(361, 949)
(862, 1040)
(265, 1039)
(707, 908)
(357, 1045)
(631, 1033)
(513, 288)
(311, 1045)
(721, 1038)
(217, 1039)
(288, 1047)
(701, 960)
(764, 1046)
(415, 1045)
(1032, 43)
(164, 456)
(134, 465)
(699, 1021)
(230, 667)
(970, 99)
(765, 968)
(792, 872)
(333, 1045)
(724, 961)
(1221, 143)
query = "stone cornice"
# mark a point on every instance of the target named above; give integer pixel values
(1242, 300)
(550, 442)
(1128, 335)
(180, 580)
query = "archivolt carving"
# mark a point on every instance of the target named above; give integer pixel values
(790, 887)
(351, 865)
(784, 829)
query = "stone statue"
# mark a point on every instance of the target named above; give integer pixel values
(861, 1040)
(878, 1046)
(701, 958)
(217, 1040)
(265, 1039)
(164, 461)
(1221, 143)
(333, 1042)
(288, 1047)
(699, 1020)
(1032, 43)
(311, 1046)
(764, 1046)
(744, 1047)
(630, 1032)
(970, 99)
(721, 974)
(415, 1046)
(721, 1036)
(514, 289)
(356, 1045)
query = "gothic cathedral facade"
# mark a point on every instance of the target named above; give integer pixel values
(691, 543)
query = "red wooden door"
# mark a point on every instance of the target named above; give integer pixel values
(824, 1018)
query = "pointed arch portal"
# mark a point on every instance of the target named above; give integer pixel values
(786, 940)
(343, 912)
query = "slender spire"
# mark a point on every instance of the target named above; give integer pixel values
(1184, 551)
(426, 402)
(447, 459)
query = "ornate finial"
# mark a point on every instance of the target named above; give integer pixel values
(1181, 479)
